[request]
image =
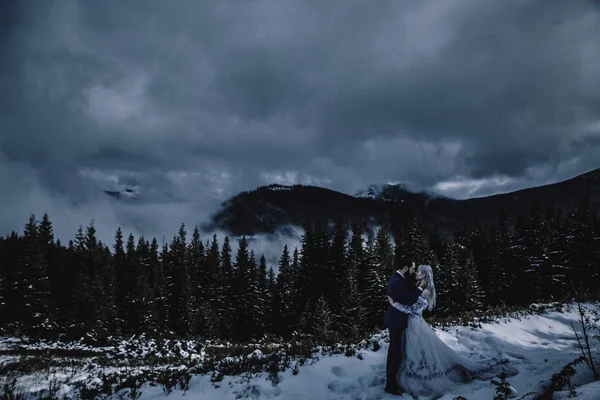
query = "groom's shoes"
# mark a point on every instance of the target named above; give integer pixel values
(395, 391)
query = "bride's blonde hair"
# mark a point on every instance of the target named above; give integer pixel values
(428, 271)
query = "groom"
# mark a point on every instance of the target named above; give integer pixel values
(402, 292)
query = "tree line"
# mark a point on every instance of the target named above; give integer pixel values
(333, 286)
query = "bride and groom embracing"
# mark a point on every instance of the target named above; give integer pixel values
(418, 361)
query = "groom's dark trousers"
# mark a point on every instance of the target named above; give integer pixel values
(396, 322)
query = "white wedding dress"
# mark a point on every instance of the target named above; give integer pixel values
(431, 368)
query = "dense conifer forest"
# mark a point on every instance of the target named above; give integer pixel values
(332, 287)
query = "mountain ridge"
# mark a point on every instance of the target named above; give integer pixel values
(269, 208)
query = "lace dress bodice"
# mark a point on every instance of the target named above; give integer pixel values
(416, 309)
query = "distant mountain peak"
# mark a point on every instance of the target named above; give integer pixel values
(371, 192)
(395, 192)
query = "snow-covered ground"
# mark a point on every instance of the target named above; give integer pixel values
(537, 345)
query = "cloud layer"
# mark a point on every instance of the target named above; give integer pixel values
(192, 102)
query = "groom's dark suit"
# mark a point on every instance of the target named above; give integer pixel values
(396, 321)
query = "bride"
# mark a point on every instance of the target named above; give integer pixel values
(429, 367)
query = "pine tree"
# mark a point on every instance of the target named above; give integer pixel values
(61, 286)
(479, 246)
(351, 320)
(96, 264)
(356, 246)
(460, 236)
(554, 270)
(322, 321)
(274, 304)
(167, 286)
(252, 297)
(296, 295)
(105, 294)
(447, 281)
(384, 252)
(307, 279)
(141, 292)
(263, 296)
(35, 285)
(122, 289)
(470, 288)
(51, 264)
(212, 266)
(3, 287)
(227, 291)
(305, 325)
(341, 268)
(132, 318)
(383, 257)
(412, 244)
(503, 272)
(46, 232)
(155, 278)
(581, 245)
(73, 260)
(81, 289)
(179, 290)
(370, 291)
(200, 285)
(286, 294)
(29, 260)
(215, 295)
(256, 284)
(322, 269)
(350, 316)
(531, 246)
(242, 287)
(436, 244)
(594, 280)
(11, 302)
(88, 293)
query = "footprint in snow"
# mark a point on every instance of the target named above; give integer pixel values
(345, 384)
(339, 372)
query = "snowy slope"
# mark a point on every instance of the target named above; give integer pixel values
(537, 345)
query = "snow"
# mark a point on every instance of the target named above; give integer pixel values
(376, 191)
(279, 188)
(537, 345)
(371, 192)
(591, 391)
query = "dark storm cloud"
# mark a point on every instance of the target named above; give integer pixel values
(190, 102)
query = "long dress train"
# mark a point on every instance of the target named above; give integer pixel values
(430, 367)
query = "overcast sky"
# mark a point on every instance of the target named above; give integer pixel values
(191, 102)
